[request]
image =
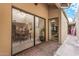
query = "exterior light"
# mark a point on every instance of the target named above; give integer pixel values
(36, 4)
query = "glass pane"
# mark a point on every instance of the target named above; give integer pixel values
(22, 30)
(39, 30)
(53, 29)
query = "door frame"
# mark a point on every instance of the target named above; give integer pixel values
(48, 26)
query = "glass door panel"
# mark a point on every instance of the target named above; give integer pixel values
(39, 30)
(22, 30)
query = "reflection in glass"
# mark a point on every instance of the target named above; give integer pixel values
(39, 30)
(22, 30)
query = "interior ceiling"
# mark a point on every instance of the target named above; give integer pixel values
(64, 5)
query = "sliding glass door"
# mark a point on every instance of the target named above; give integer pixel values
(27, 30)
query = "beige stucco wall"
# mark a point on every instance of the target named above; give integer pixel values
(77, 28)
(64, 27)
(40, 10)
(53, 13)
(5, 29)
(77, 22)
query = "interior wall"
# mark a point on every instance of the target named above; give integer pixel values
(40, 9)
(64, 27)
(5, 29)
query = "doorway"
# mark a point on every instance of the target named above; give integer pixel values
(53, 30)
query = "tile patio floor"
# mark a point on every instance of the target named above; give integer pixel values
(44, 49)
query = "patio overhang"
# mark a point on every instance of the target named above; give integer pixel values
(63, 5)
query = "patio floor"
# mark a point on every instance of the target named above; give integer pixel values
(43, 49)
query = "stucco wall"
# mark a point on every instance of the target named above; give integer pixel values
(77, 23)
(64, 27)
(53, 13)
(77, 27)
(5, 29)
